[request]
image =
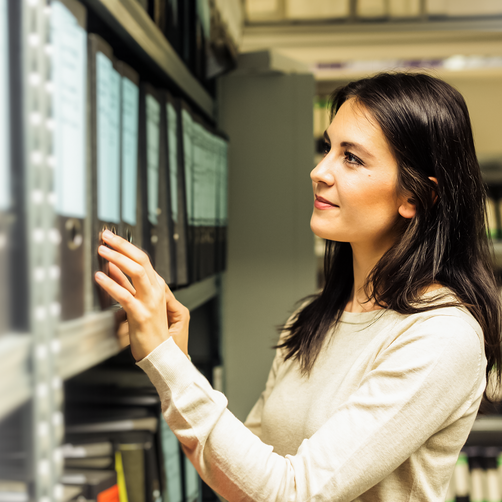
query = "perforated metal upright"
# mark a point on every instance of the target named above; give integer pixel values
(46, 422)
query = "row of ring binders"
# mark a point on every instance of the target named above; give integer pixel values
(127, 156)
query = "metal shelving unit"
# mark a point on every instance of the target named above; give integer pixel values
(35, 364)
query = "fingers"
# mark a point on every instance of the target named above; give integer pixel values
(131, 251)
(119, 277)
(134, 270)
(117, 292)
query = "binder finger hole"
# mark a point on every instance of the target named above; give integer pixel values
(129, 235)
(74, 236)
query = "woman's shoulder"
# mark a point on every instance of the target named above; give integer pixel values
(447, 317)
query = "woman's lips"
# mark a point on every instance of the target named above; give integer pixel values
(322, 203)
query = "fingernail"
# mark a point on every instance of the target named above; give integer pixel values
(107, 234)
(100, 275)
(103, 250)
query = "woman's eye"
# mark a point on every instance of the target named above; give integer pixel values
(352, 159)
(326, 148)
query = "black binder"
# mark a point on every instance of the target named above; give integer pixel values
(187, 154)
(204, 186)
(221, 201)
(5, 173)
(69, 69)
(130, 202)
(157, 11)
(14, 213)
(177, 190)
(153, 164)
(173, 24)
(104, 83)
(188, 23)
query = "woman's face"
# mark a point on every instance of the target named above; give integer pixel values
(355, 184)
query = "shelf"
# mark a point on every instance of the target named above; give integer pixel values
(488, 424)
(486, 431)
(90, 340)
(497, 252)
(15, 375)
(85, 342)
(197, 294)
(132, 24)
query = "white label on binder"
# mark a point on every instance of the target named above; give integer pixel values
(199, 173)
(69, 41)
(172, 142)
(4, 110)
(130, 104)
(152, 156)
(108, 139)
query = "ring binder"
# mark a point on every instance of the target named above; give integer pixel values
(130, 208)
(174, 143)
(156, 238)
(105, 145)
(5, 168)
(69, 41)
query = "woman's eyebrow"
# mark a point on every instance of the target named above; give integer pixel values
(358, 147)
(326, 137)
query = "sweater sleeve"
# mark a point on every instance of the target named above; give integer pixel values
(253, 420)
(427, 378)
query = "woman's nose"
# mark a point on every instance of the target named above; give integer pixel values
(323, 173)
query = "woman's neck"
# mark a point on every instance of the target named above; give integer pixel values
(364, 260)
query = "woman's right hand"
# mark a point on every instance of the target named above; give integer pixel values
(124, 255)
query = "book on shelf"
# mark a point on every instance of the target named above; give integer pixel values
(134, 457)
(97, 485)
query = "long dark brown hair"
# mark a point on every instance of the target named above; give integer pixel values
(427, 125)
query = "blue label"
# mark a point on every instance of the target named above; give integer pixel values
(108, 139)
(69, 74)
(152, 155)
(130, 104)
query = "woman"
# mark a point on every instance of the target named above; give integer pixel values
(377, 380)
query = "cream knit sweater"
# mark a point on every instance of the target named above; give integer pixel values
(382, 417)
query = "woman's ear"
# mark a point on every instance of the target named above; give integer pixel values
(407, 209)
